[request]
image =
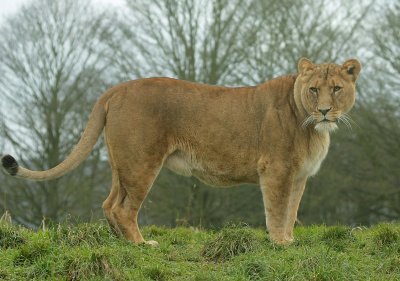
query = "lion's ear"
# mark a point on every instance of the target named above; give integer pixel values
(352, 67)
(304, 65)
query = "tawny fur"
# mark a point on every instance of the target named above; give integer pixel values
(273, 135)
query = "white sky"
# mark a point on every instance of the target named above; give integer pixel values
(9, 7)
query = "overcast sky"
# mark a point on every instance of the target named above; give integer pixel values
(8, 7)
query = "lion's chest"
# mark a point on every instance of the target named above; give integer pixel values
(312, 160)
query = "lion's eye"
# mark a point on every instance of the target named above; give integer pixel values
(314, 90)
(337, 89)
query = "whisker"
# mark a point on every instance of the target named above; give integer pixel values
(346, 122)
(348, 117)
(307, 121)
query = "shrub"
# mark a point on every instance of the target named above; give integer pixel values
(255, 270)
(385, 235)
(30, 252)
(88, 265)
(337, 237)
(10, 237)
(90, 234)
(229, 242)
(155, 273)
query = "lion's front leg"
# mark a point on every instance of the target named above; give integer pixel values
(276, 184)
(294, 202)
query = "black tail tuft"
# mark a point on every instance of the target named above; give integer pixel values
(10, 164)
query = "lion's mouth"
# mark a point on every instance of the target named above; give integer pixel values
(326, 125)
(326, 121)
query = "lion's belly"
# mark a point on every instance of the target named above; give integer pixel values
(212, 172)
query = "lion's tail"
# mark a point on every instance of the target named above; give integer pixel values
(81, 151)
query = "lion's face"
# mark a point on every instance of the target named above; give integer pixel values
(327, 92)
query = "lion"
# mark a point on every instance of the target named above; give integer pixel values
(275, 134)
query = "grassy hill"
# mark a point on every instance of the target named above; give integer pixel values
(91, 252)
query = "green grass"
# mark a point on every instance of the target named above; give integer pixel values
(236, 252)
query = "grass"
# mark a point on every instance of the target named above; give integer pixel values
(236, 252)
(231, 241)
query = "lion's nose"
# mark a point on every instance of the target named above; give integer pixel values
(324, 111)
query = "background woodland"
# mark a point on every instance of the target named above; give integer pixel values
(58, 57)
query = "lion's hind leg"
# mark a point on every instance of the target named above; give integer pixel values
(109, 202)
(135, 178)
(132, 191)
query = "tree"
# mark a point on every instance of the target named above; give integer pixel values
(201, 41)
(305, 28)
(52, 72)
(58, 56)
(363, 180)
(232, 43)
(380, 113)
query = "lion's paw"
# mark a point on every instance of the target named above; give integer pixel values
(152, 243)
(283, 241)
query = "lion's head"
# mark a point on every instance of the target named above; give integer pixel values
(326, 92)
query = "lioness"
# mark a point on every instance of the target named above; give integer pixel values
(275, 134)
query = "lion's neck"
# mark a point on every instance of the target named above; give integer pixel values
(285, 88)
(301, 111)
